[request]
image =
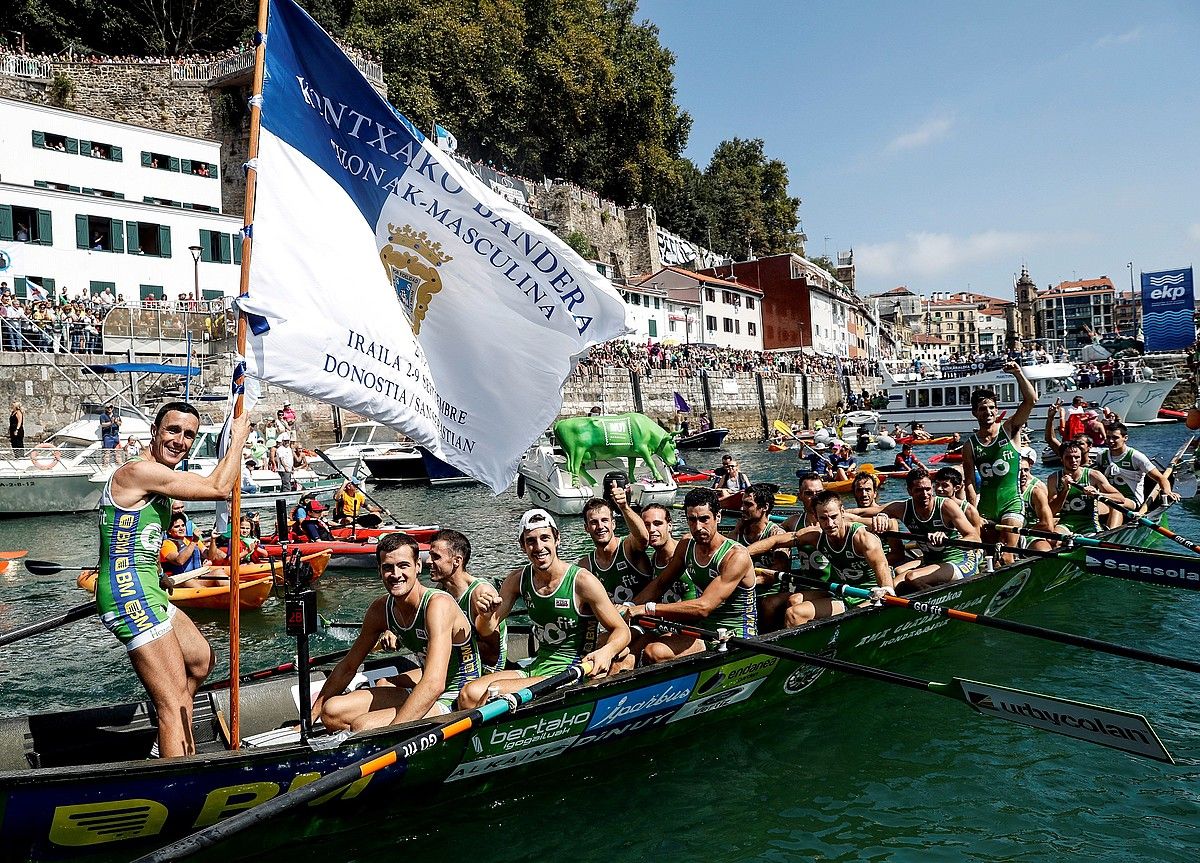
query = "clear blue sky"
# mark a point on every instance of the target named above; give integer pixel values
(950, 142)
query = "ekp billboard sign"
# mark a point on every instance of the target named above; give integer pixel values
(1168, 307)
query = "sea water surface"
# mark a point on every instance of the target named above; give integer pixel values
(865, 772)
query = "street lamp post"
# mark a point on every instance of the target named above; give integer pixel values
(195, 250)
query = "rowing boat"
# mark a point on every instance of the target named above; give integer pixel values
(78, 782)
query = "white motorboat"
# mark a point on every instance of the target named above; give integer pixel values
(360, 441)
(67, 471)
(1146, 406)
(943, 404)
(543, 478)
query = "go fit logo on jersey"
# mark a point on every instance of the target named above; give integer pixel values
(995, 469)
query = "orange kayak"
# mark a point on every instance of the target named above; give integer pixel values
(252, 571)
(251, 594)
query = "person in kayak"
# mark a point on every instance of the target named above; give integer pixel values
(906, 459)
(564, 602)
(249, 549)
(179, 553)
(166, 650)
(449, 554)
(429, 623)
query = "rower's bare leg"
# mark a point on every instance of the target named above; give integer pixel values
(366, 708)
(670, 647)
(803, 607)
(160, 666)
(475, 693)
(925, 577)
(198, 656)
(771, 610)
(1003, 536)
(1113, 518)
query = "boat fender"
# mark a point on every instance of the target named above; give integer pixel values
(883, 441)
(1193, 419)
(45, 456)
(520, 485)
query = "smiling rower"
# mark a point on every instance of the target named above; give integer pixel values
(167, 651)
(429, 623)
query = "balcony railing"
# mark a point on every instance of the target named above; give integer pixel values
(202, 73)
(24, 67)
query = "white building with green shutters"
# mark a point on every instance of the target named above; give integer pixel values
(88, 204)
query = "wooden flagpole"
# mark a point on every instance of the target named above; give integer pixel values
(235, 511)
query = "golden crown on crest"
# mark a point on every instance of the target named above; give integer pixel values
(419, 243)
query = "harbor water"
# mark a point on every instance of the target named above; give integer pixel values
(866, 772)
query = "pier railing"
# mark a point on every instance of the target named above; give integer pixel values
(214, 70)
(25, 67)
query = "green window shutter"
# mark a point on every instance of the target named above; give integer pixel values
(85, 147)
(98, 287)
(206, 246)
(116, 154)
(149, 291)
(88, 191)
(45, 228)
(187, 206)
(39, 139)
(224, 240)
(185, 165)
(81, 234)
(6, 223)
(131, 231)
(20, 288)
(164, 240)
(73, 146)
(213, 170)
(237, 247)
(48, 284)
(145, 159)
(120, 195)
(653, 327)
(173, 164)
(41, 184)
(211, 293)
(73, 189)
(118, 242)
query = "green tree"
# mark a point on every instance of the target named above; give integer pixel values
(750, 207)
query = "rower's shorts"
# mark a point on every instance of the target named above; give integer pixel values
(969, 567)
(139, 622)
(1013, 514)
(442, 706)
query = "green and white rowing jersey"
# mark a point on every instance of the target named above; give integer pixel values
(464, 664)
(563, 631)
(677, 590)
(464, 602)
(999, 465)
(765, 560)
(1078, 511)
(1127, 472)
(1027, 501)
(739, 611)
(845, 564)
(934, 524)
(622, 579)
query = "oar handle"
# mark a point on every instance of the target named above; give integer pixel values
(1147, 522)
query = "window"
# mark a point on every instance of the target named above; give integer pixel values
(53, 141)
(910, 398)
(922, 398)
(100, 151)
(710, 295)
(728, 325)
(937, 398)
(101, 287)
(710, 323)
(154, 291)
(671, 325)
(750, 303)
(99, 234)
(1008, 392)
(198, 169)
(26, 225)
(653, 328)
(737, 327)
(159, 161)
(147, 238)
(951, 396)
(658, 302)
(102, 193)
(751, 329)
(727, 298)
(162, 202)
(25, 286)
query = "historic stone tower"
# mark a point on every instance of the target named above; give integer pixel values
(1026, 292)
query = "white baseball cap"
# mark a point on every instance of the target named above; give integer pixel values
(535, 518)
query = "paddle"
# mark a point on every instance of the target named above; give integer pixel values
(427, 738)
(1145, 522)
(1104, 726)
(361, 487)
(930, 608)
(77, 613)
(48, 567)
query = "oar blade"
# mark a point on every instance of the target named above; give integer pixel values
(1150, 567)
(43, 567)
(1103, 726)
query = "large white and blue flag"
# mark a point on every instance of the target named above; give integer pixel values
(395, 284)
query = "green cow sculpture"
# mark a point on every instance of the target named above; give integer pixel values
(629, 436)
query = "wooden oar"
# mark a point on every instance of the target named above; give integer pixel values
(1104, 726)
(340, 778)
(1145, 522)
(275, 670)
(1056, 635)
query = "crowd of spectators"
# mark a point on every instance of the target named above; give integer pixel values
(685, 360)
(72, 324)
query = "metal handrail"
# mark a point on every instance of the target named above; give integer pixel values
(216, 69)
(25, 67)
